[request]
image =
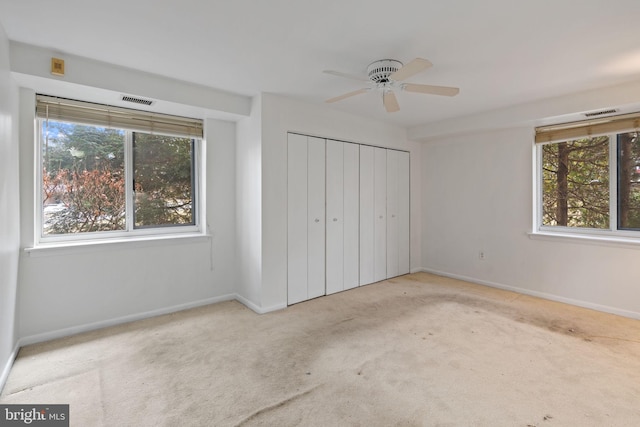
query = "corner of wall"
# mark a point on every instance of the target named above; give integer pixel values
(248, 188)
(9, 211)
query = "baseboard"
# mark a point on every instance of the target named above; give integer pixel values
(60, 333)
(256, 308)
(47, 336)
(544, 295)
(8, 365)
(274, 308)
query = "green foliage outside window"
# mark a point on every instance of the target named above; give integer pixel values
(629, 181)
(163, 180)
(83, 179)
(575, 182)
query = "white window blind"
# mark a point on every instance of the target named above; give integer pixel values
(61, 109)
(588, 128)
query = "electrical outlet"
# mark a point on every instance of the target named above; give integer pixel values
(481, 255)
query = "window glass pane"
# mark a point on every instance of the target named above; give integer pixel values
(163, 180)
(575, 189)
(629, 181)
(82, 178)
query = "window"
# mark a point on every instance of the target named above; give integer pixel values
(589, 180)
(112, 172)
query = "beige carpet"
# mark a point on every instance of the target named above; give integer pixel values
(418, 350)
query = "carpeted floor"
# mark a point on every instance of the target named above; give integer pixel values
(418, 350)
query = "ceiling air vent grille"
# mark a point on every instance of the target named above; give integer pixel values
(601, 113)
(141, 101)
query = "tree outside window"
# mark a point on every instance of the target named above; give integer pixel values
(163, 178)
(629, 181)
(576, 191)
(84, 179)
(83, 188)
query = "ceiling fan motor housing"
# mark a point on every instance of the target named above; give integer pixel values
(379, 71)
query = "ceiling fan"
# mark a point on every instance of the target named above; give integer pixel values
(387, 75)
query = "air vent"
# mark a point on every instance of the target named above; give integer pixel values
(601, 113)
(137, 100)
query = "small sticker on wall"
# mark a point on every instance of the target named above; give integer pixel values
(57, 66)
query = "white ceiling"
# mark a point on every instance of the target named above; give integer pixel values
(499, 52)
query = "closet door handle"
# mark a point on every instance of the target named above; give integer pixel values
(317, 220)
(335, 219)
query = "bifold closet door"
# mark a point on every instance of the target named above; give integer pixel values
(392, 213)
(335, 217)
(351, 215)
(305, 218)
(342, 216)
(397, 213)
(380, 214)
(404, 207)
(367, 218)
(373, 214)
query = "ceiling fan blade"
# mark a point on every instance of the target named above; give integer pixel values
(408, 70)
(390, 102)
(432, 90)
(347, 75)
(347, 95)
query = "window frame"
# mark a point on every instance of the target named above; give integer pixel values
(612, 233)
(130, 233)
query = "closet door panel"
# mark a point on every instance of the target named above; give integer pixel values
(404, 209)
(367, 215)
(351, 215)
(335, 216)
(392, 213)
(316, 217)
(297, 214)
(380, 212)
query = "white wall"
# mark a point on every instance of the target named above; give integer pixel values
(32, 64)
(73, 289)
(560, 109)
(249, 206)
(9, 209)
(220, 194)
(477, 195)
(281, 115)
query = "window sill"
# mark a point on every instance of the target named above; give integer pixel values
(98, 245)
(602, 240)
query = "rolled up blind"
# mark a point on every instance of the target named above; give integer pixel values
(61, 109)
(588, 128)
